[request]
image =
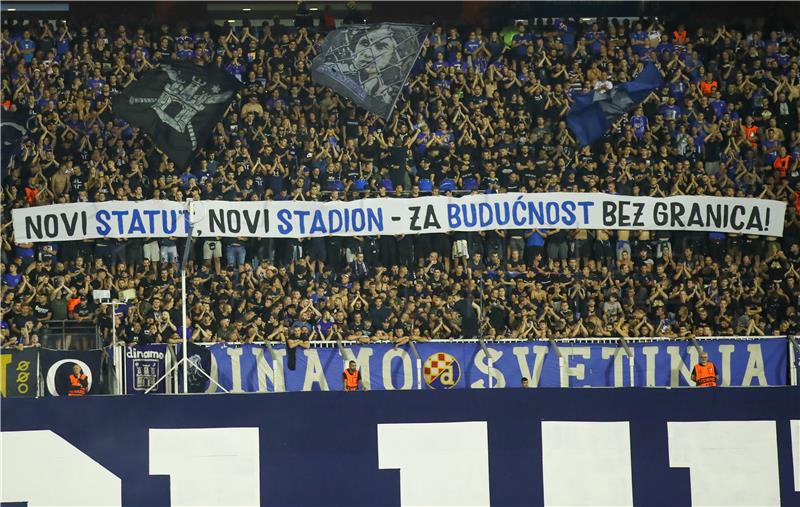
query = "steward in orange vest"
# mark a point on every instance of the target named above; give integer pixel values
(679, 36)
(781, 163)
(704, 374)
(78, 382)
(750, 132)
(351, 377)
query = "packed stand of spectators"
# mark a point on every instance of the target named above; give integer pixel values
(477, 115)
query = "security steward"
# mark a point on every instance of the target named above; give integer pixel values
(704, 373)
(78, 382)
(351, 378)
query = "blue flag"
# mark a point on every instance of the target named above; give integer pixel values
(593, 113)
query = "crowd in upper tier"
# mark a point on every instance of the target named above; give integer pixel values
(478, 114)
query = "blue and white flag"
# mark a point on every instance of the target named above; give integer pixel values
(593, 113)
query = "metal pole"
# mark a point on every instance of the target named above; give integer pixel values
(491, 371)
(562, 364)
(794, 353)
(629, 353)
(186, 249)
(117, 361)
(793, 342)
(697, 346)
(183, 318)
(419, 364)
(488, 360)
(274, 359)
(480, 317)
(419, 374)
(121, 377)
(185, 340)
(186, 365)
(114, 324)
(114, 344)
(344, 352)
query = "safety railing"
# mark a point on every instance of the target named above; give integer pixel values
(70, 335)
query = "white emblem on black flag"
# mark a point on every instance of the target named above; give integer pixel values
(178, 106)
(189, 99)
(369, 64)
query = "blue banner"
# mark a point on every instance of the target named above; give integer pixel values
(254, 368)
(144, 366)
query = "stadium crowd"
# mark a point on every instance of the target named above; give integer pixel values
(477, 115)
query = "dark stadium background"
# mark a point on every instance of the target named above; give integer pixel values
(473, 13)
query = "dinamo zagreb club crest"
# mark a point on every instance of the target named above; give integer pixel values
(441, 371)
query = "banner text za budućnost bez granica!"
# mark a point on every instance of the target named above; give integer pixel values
(387, 216)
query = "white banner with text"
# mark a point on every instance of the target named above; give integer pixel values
(396, 216)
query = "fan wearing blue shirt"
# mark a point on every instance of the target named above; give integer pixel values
(63, 42)
(235, 68)
(472, 44)
(12, 278)
(437, 40)
(665, 45)
(718, 105)
(458, 63)
(783, 57)
(670, 111)
(534, 243)
(521, 40)
(678, 89)
(638, 38)
(185, 52)
(595, 39)
(183, 37)
(96, 81)
(639, 123)
(440, 62)
(27, 46)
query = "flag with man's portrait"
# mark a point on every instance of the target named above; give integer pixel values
(177, 105)
(369, 64)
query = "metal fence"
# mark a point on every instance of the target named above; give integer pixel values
(71, 335)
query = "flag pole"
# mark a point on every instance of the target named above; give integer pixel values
(183, 318)
(186, 249)
(184, 338)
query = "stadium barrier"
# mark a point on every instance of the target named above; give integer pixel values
(450, 364)
(577, 447)
(68, 334)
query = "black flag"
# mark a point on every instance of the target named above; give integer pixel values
(178, 105)
(369, 64)
(200, 359)
(14, 129)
